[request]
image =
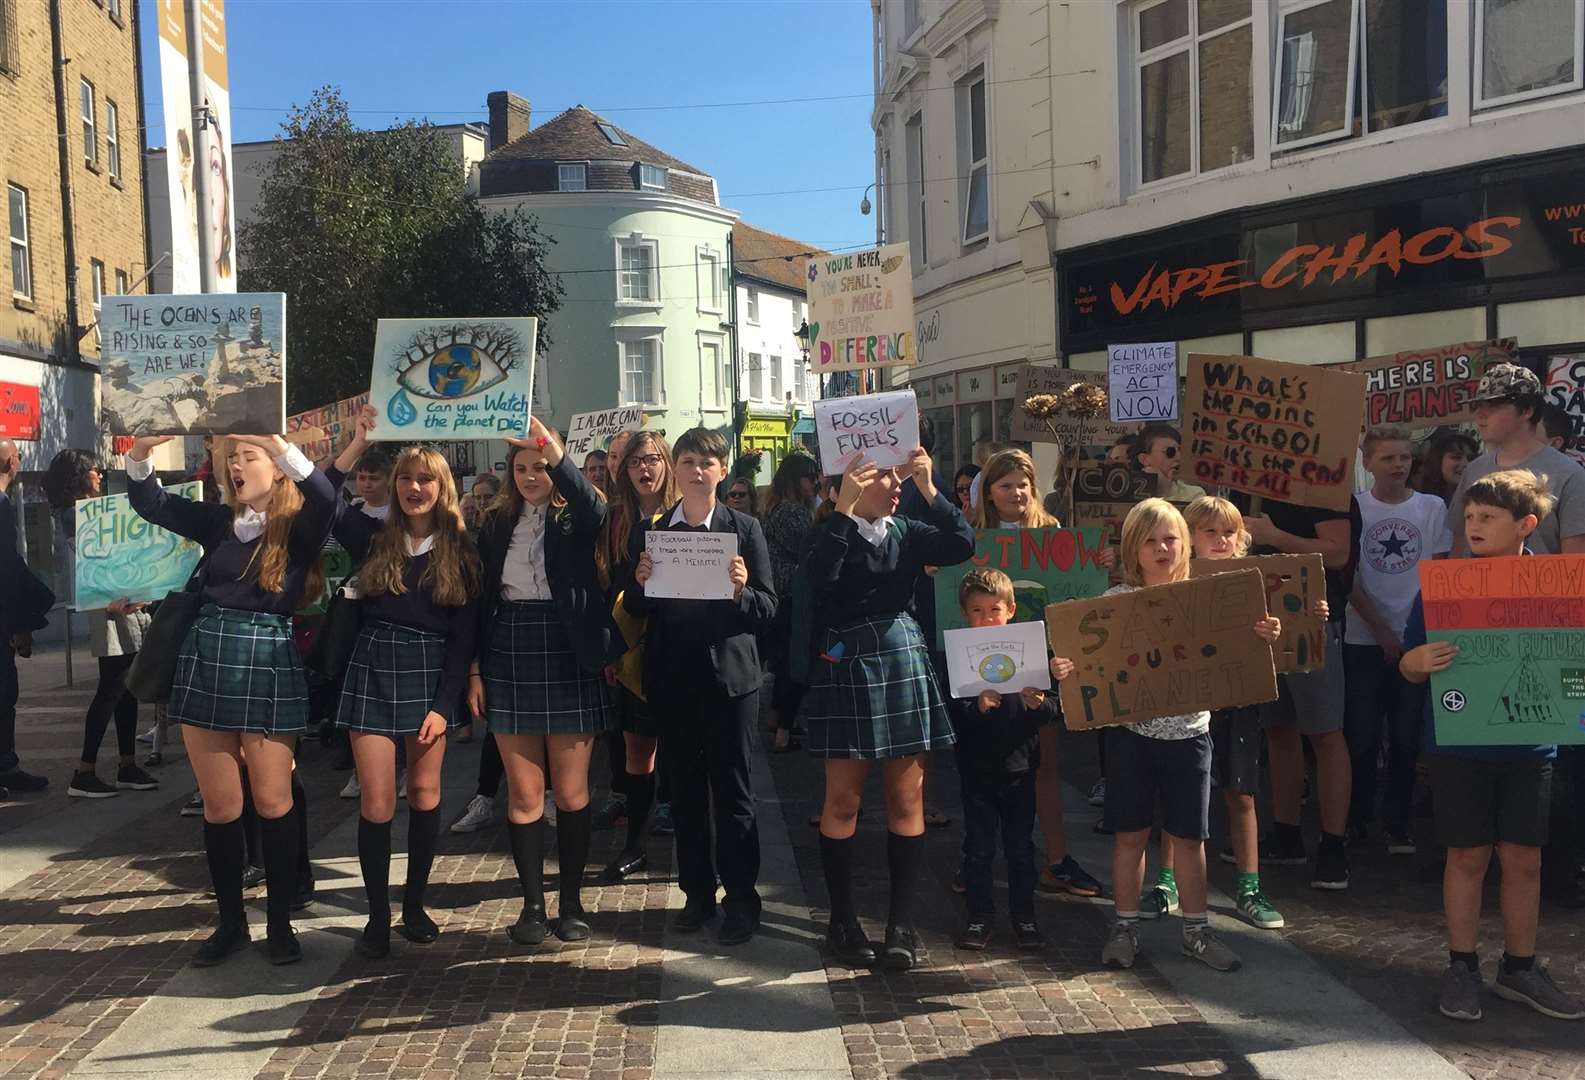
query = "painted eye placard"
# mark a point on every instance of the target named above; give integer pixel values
(439, 379)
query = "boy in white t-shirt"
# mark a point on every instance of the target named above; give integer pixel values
(1400, 527)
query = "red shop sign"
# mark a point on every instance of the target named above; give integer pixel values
(19, 411)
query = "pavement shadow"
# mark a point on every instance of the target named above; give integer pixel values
(1134, 1052)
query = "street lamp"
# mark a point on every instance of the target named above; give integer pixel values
(864, 201)
(802, 334)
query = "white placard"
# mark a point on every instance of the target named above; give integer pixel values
(1002, 658)
(881, 428)
(591, 431)
(690, 565)
(1142, 381)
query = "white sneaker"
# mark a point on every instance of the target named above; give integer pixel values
(1098, 793)
(550, 809)
(148, 736)
(401, 785)
(479, 813)
(353, 789)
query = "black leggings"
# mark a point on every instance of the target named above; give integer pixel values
(111, 697)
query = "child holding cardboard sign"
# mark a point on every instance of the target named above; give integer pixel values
(1168, 757)
(1490, 796)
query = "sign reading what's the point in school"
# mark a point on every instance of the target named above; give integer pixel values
(120, 555)
(447, 379)
(1519, 624)
(1046, 566)
(861, 310)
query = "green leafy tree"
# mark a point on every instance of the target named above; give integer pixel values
(355, 225)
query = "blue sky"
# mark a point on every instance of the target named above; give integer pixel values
(395, 59)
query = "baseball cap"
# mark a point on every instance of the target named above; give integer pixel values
(1504, 381)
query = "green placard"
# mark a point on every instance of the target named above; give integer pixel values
(1511, 688)
(336, 563)
(1047, 566)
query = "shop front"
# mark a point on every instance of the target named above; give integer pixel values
(1471, 254)
(767, 437)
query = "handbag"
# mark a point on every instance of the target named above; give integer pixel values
(153, 669)
(333, 644)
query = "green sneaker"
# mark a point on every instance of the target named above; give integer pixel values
(1258, 910)
(1158, 900)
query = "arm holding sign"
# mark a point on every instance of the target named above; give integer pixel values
(1421, 658)
(205, 523)
(1331, 541)
(943, 537)
(311, 524)
(586, 505)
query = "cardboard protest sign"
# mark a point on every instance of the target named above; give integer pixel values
(880, 428)
(861, 310)
(1283, 431)
(592, 431)
(1002, 658)
(119, 554)
(1519, 624)
(690, 565)
(1428, 387)
(1046, 565)
(1565, 386)
(1293, 585)
(1038, 379)
(444, 379)
(1163, 651)
(1142, 382)
(322, 432)
(193, 365)
(1104, 493)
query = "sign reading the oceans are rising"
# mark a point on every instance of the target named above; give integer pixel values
(444, 379)
(1519, 624)
(861, 310)
(1046, 565)
(119, 554)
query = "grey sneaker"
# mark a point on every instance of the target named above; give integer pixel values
(1158, 900)
(478, 814)
(1259, 911)
(1207, 948)
(1121, 947)
(1459, 998)
(1536, 989)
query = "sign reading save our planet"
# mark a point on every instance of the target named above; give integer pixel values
(443, 379)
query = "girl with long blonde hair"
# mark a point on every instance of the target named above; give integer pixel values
(419, 580)
(1009, 494)
(239, 686)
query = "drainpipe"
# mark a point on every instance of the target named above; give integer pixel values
(143, 143)
(64, 156)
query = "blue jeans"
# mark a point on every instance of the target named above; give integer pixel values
(1004, 803)
(1377, 697)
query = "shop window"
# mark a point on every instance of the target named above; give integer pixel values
(1351, 67)
(1527, 49)
(1193, 111)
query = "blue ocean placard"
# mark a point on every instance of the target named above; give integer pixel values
(443, 379)
(121, 555)
(211, 364)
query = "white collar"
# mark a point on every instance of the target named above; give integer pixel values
(248, 524)
(420, 547)
(874, 531)
(532, 511)
(378, 513)
(679, 518)
(1010, 524)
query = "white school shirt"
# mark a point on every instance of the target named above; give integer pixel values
(523, 574)
(1393, 539)
(874, 532)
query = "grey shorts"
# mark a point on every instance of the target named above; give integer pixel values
(1311, 701)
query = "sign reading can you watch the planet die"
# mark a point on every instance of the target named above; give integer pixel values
(441, 379)
(193, 365)
(1002, 658)
(882, 429)
(861, 310)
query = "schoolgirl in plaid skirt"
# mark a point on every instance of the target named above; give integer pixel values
(418, 582)
(238, 687)
(872, 691)
(545, 639)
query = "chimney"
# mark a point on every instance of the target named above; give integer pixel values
(508, 117)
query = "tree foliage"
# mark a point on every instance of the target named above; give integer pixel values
(355, 225)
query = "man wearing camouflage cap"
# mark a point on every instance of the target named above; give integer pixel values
(1508, 405)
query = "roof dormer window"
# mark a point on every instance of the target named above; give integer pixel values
(613, 136)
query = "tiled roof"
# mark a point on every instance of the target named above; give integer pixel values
(763, 256)
(575, 136)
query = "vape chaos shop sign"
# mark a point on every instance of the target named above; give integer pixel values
(1453, 233)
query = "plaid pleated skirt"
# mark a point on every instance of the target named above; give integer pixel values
(879, 699)
(238, 671)
(532, 682)
(390, 680)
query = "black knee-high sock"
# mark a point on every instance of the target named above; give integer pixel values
(903, 857)
(528, 855)
(423, 830)
(250, 825)
(305, 865)
(225, 849)
(572, 853)
(640, 798)
(836, 857)
(374, 856)
(280, 868)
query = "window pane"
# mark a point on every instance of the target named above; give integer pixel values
(1406, 53)
(20, 285)
(19, 214)
(977, 217)
(1226, 124)
(87, 98)
(977, 121)
(1218, 13)
(1164, 117)
(1163, 23)
(775, 378)
(1314, 71)
(1530, 45)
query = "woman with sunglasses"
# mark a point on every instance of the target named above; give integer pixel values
(963, 487)
(1159, 451)
(740, 497)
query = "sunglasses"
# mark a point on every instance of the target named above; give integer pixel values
(1170, 451)
(737, 494)
(651, 460)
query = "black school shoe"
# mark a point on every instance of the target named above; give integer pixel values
(530, 928)
(976, 934)
(901, 951)
(1030, 939)
(571, 926)
(1331, 868)
(849, 946)
(624, 865)
(737, 927)
(227, 939)
(282, 948)
(375, 943)
(18, 780)
(693, 917)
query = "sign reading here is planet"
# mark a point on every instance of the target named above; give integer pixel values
(446, 379)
